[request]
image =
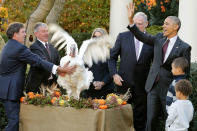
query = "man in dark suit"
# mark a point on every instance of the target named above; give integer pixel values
(167, 47)
(46, 51)
(13, 59)
(135, 60)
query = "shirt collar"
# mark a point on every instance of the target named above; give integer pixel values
(42, 42)
(173, 39)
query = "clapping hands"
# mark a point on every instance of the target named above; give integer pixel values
(98, 84)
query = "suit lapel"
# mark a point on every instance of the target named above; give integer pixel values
(44, 49)
(142, 50)
(161, 49)
(175, 48)
(131, 45)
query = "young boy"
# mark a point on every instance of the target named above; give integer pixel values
(180, 113)
(179, 66)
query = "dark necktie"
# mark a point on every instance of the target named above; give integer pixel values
(47, 47)
(164, 48)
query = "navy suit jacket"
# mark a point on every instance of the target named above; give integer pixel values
(13, 60)
(37, 75)
(133, 72)
(101, 73)
(158, 68)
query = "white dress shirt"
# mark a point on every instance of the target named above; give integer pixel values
(43, 43)
(140, 47)
(180, 113)
(54, 69)
(170, 46)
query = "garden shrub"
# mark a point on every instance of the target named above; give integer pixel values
(3, 120)
(157, 10)
(154, 29)
(193, 96)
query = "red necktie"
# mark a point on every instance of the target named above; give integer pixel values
(164, 48)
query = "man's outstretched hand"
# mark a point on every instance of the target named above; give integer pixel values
(66, 69)
(130, 10)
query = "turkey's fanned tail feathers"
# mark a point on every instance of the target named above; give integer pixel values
(61, 38)
(92, 50)
(96, 49)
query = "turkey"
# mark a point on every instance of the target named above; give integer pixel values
(80, 79)
(91, 51)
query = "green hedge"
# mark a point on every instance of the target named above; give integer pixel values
(154, 29)
(193, 96)
(155, 14)
(4, 36)
(3, 120)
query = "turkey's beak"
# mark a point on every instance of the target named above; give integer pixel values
(72, 50)
(72, 53)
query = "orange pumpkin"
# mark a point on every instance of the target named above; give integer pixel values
(31, 97)
(55, 98)
(38, 95)
(57, 93)
(103, 107)
(53, 101)
(22, 99)
(101, 101)
(124, 103)
(30, 94)
(96, 100)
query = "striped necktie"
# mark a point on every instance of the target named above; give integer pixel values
(47, 47)
(164, 48)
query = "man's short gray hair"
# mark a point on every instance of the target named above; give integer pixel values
(38, 25)
(141, 14)
(176, 21)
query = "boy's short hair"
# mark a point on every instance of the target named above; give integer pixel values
(184, 86)
(181, 62)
